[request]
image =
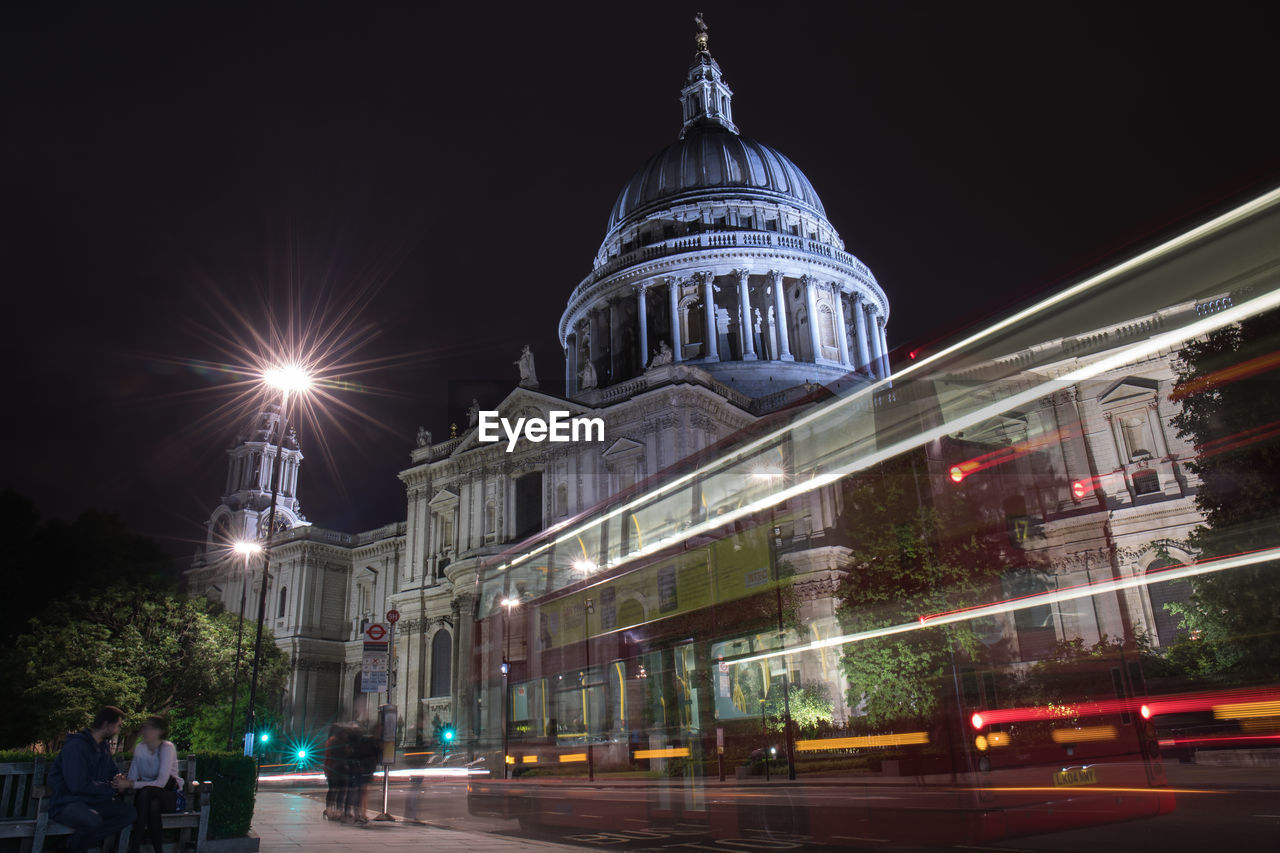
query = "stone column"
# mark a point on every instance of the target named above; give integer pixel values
(780, 309)
(842, 330)
(868, 319)
(812, 304)
(571, 363)
(884, 347)
(711, 350)
(673, 293)
(860, 330)
(1157, 429)
(744, 308)
(642, 313)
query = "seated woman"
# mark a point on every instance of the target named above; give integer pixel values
(154, 774)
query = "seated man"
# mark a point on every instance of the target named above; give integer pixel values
(85, 782)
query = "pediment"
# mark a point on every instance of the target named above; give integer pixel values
(1129, 388)
(444, 497)
(623, 448)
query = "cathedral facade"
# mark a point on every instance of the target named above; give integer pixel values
(720, 293)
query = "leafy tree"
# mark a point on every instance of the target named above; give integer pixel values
(142, 649)
(916, 552)
(1233, 616)
(811, 708)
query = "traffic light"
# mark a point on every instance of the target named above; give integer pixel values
(448, 734)
(302, 755)
(265, 737)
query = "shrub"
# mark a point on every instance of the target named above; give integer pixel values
(233, 777)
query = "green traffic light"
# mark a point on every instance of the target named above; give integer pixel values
(448, 734)
(302, 753)
(265, 736)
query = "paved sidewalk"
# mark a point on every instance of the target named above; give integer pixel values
(287, 822)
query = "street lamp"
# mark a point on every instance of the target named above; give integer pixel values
(507, 603)
(248, 549)
(588, 609)
(287, 379)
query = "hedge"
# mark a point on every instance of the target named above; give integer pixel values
(234, 779)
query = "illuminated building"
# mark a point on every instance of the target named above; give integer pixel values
(719, 294)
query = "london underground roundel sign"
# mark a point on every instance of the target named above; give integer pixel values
(376, 632)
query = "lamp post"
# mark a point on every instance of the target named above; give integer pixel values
(588, 609)
(507, 603)
(287, 379)
(248, 549)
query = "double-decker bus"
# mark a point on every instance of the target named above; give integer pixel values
(895, 614)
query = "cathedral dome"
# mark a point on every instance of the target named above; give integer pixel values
(713, 160)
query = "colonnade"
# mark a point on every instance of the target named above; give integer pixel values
(756, 321)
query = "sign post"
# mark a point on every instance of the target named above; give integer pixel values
(373, 669)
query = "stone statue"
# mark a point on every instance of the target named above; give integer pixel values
(473, 413)
(528, 378)
(662, 356)
(424, 437)
(588, 376)
(701, 24)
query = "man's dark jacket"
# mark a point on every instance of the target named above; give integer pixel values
(82, 772)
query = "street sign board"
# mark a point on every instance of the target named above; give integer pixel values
(376, 632)
(373, 667)
(393, 616)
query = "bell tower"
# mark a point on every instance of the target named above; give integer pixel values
(246, 501)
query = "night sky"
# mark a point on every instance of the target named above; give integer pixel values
(432, 181)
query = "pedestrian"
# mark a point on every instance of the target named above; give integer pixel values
(154, 775)
(335, 771)
(86, 783)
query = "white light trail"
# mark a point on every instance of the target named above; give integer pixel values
(1052, 597)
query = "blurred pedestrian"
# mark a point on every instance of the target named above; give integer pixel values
(335, 770)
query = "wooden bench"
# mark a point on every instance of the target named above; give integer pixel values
(25, 797)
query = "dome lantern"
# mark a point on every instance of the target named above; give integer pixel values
(706, 98)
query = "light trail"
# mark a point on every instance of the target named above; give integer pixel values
(1070, 594)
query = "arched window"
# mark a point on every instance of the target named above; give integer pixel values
(284, 596)
(441, 664)
(1168, 625)
(826, 327)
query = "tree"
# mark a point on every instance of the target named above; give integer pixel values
(145, 650)
(811, 708)
(1227, 387)
(916, 551)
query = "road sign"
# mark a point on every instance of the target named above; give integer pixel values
(373, 668)
(393, 616)
(376, 632)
